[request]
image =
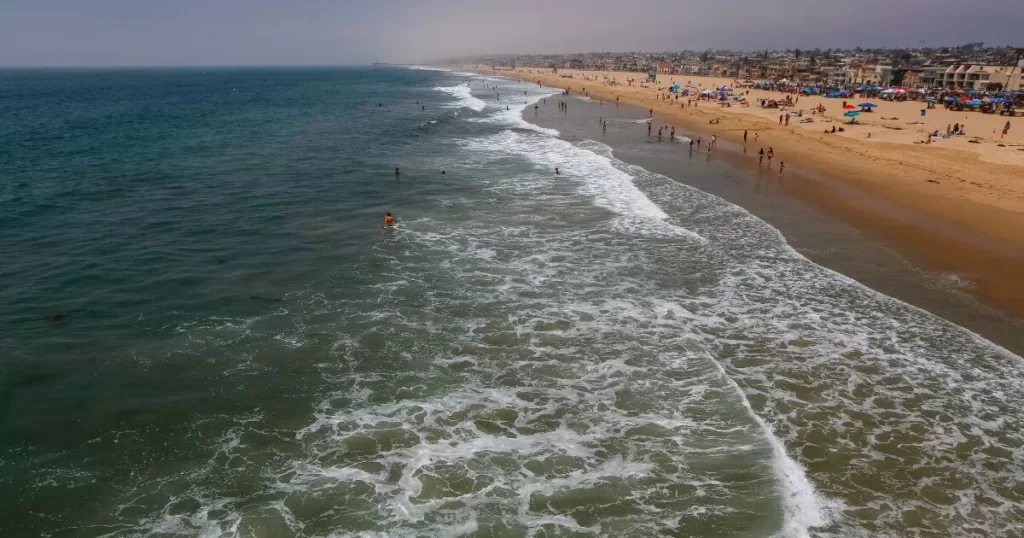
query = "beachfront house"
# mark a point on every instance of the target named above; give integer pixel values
(980, 77)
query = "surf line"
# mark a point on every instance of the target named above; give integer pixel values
(802, 507)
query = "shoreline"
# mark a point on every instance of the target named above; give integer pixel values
(979, 240)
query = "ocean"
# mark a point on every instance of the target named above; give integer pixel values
(207, 332)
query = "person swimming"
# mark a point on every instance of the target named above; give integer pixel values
(389, 220)
(398, 171)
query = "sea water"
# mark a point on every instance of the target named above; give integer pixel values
(207, 332)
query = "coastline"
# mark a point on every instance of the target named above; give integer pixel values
(974, 232)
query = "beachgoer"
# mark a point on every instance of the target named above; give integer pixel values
(782, 166)
(648, 128)
(651, 112)
(771, 153)
(557, 171)
(714, 141)
(760, 156)
(388, 219)
(744, 136)
(1006, 128)
(780, 119)
(398, 171)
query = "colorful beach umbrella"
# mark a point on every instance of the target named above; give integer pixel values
(867, 105)
(852, 113)
(848, 107)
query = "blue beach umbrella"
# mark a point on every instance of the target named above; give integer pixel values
(949, 99)
(867, 105)
(974, 102)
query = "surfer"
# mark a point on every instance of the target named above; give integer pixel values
(389, 221)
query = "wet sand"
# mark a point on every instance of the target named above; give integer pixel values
(976, 242)
(964, 275)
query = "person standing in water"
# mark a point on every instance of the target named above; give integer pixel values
(389, 221)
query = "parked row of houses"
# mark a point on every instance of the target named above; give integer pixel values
(970, 67)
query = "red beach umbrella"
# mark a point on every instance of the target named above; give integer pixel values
(846, 107)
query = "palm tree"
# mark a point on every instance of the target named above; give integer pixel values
(1020, 55)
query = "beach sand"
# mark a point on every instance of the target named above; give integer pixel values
(980, 185)
(956, 204)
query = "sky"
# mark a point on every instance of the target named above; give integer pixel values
(332, 32)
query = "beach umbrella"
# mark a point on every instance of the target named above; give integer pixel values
(867, 105)
(974, 102)
(852, 113)
(848, 107)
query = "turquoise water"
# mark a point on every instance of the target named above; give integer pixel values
(208, 333)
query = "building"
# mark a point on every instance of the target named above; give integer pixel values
(780, 71)
(913, 78)
(863, 74)
(980, 77)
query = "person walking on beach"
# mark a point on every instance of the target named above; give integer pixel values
(1006, 129)
(698, 143)
(744, 136)
(714, 141)
(756, 137)
(782, 166)
(787, 118)
(771, 153)
(651, 112)
(780, 119)
(760, 157)
(672, 136)
(648, 128)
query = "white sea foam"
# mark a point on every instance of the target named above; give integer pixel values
(465, 97)
(598, 179)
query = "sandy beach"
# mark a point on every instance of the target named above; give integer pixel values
(980, 185)
(954, 205)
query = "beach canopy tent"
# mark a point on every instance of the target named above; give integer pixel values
(867, 105)
(852, 113)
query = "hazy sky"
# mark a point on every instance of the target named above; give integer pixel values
(243, 32)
